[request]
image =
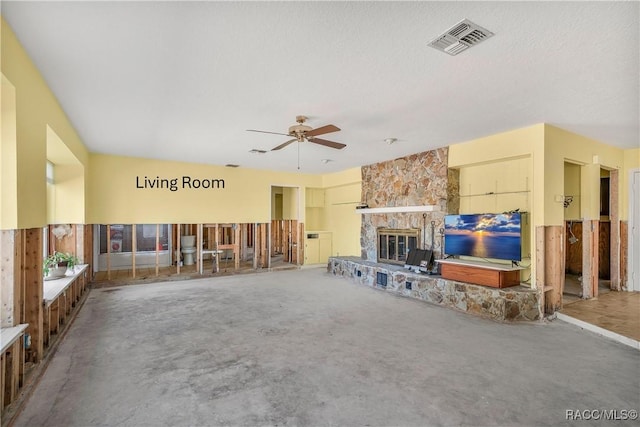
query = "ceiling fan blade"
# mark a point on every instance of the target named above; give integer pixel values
(281, 146)
(336, 145)
(322, 130)
(264, 131)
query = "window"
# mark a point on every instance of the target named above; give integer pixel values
(122, 238)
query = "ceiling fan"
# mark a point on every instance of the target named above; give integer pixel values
(302, 132)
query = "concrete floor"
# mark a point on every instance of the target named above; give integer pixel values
(305, 348)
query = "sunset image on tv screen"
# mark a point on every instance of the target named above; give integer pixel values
(484, 235)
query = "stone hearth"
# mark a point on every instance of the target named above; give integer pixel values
(509, 304)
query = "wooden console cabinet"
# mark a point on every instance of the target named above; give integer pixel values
(479, 273)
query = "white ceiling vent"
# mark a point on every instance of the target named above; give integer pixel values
(460, 37)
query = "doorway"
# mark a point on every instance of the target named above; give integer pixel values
(590, 245)
(286, 228)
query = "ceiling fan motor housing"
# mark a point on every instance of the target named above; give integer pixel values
(299, 130)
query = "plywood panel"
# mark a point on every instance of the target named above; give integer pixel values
(554, 267)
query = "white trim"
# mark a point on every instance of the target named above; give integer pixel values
(600, 331)
(399, 209)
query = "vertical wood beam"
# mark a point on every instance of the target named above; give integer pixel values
(255, 245)
(157, 249)
(9, 280)
(199, 263)
(615, 241)
(108, 251)
(88, 249)
(3, 368)
(32, 267)
(268, 245)
(590, 261)
(540, 269)
(236, 245)
(300, 242)
(216, 243)
(554, 266)
(178, 251)
(624, 250)
(134, 243)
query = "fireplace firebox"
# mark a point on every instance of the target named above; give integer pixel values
(395, 244)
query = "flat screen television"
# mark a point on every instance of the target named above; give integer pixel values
(497, 236)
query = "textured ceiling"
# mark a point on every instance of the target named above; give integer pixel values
(185, 80)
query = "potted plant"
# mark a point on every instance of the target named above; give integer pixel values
(56, 265)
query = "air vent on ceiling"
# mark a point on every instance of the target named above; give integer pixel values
(460, 37)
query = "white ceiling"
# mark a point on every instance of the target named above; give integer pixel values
(184, 81)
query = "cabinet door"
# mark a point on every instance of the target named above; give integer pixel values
(312, 251)
(325, 247)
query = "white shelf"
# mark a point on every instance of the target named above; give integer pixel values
(9, 335)
(53, 288)
(399, 209)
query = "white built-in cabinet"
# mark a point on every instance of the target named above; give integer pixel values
(318, 247)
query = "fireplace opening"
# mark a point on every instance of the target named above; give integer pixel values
(395, 244)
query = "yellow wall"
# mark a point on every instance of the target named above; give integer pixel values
(66, 204)
(506, 148)
(290, 204)
(343, 191)
(501, 186)
(246, 196)
(36, 110)
(561, 146)
(342, 218)
(8, 155)
(572, 187)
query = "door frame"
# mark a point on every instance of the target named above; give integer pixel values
(633, 239)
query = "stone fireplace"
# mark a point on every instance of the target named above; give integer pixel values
(421, 179)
